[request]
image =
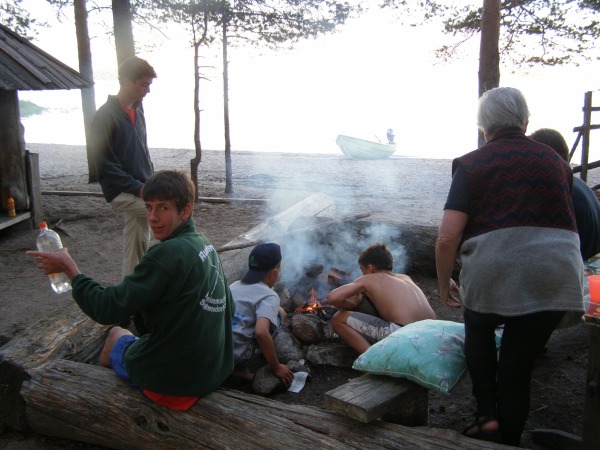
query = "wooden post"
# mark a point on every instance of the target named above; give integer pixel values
(33, 184)
(585, 142)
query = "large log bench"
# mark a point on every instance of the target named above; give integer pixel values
(371, 397)
(89, 403)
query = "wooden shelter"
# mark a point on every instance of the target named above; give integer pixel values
(23, 66)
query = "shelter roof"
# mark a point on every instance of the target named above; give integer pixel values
(25, 67)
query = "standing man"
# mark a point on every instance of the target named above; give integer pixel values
(122, 157)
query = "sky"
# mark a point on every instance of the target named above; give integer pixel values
(372, 75)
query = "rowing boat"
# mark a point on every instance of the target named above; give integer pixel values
(355, 148)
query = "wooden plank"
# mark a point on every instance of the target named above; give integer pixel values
(90, 404)
(369, 397)
(7, 221)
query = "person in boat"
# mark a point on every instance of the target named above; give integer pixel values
(396, 298)
(258, 316)
(520, 262)
(585, 202)
(179, 289)
(390, 136)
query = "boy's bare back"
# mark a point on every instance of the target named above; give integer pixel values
(396, 297)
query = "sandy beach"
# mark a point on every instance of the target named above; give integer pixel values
(401, 188)
(405, 190)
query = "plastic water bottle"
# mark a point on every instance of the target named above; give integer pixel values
(49, 241)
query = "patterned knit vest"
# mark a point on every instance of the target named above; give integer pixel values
(514, 181)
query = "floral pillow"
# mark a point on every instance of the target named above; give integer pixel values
(428, 352)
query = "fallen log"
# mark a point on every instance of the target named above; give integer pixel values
(326, 223)
(67, 333)
(417, 242)
(314, 207)
(90, 404)
(252, 201)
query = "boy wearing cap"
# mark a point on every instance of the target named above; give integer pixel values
(258, 314)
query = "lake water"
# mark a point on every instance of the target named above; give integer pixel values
(428, 129)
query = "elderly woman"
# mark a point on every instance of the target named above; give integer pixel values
(509, 218)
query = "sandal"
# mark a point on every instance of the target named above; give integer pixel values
(476, 430)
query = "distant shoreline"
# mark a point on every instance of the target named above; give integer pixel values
(47, 146)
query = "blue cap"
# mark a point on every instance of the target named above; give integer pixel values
(263, 258)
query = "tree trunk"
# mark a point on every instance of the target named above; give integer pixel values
(88, 101)
(195, 162)
(228, 168)
(489, 56)
(12, 152)
(91, 404)
(124, 43)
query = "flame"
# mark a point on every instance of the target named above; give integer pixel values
(311, 304)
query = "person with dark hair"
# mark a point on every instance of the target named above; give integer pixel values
(181, 292)
(258, 316)
(397, 300)
(509, 219)
(119, 143)
(585, 202)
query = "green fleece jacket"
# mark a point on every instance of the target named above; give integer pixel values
(180, 290)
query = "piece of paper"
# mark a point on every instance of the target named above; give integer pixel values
(298, 382)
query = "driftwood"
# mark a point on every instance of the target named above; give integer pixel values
(90, 404)
(326, 223)
(419, 243)
(67, 333)
(257, 201)
(416, 243)
(315, 207)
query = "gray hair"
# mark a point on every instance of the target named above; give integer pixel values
(502, 107)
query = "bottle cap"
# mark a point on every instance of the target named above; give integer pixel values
(42, 225)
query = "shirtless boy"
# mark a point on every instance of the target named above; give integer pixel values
(397, 299)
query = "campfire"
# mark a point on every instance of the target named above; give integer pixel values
(314, 306)
(312, 289)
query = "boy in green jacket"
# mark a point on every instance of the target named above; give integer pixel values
(179, 289)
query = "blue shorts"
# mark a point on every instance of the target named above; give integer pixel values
(117, 355)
